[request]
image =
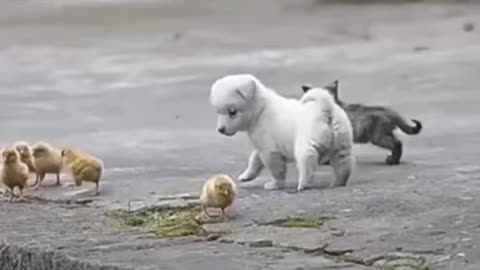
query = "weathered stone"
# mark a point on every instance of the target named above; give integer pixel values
(16, 257)
(261, 243)
(213, 237)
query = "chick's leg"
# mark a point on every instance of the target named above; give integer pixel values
(224, 215)
(58, 178)
(38, 182)
(204, 208)
(37, 178)
(97, 189)
(12, 194)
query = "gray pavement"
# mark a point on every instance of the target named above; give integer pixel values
(130, 82)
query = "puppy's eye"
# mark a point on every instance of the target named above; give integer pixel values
(232, 113)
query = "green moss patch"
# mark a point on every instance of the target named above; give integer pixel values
(162, 221)
(352, 259)
(390, 262)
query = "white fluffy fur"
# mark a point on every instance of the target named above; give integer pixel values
(284, 130)
(324, 132)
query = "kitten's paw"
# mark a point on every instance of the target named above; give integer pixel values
(273, 185)
(391, 161)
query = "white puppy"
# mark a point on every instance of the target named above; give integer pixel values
(324, 133)
(276, 126)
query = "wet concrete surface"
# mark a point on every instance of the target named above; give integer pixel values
(130, 82)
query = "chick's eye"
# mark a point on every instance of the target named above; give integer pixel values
(232, 113)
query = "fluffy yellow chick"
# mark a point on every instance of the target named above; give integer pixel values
(26, 156)
(14, 172)
(82, 167)
(218, 191)
(46, 159)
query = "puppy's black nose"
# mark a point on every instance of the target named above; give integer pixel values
(221, 130)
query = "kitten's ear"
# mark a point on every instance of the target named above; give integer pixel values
(333, 88)
(306, 87)
(247, 91)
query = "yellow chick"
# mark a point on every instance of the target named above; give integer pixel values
(26, 156)
(46, 159)
(14, 172)
(218, 191)
(82, 167)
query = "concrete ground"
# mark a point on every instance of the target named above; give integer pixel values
(130, 82)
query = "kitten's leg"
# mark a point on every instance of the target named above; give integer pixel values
(307, 161)
(277, 167)
(255, 167)
(342, 165)
(391, 143)
(397, 151)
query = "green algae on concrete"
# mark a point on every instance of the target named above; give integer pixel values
(163, 221)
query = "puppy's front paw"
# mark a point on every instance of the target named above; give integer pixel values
(303, 187)
(273, 184)
(246, 177)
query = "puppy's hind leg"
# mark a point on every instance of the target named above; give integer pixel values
(255, 167)
(306, 164)
(342, 165)
(277, 167)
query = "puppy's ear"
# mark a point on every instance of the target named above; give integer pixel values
(306, 87)
(333, 88)
(247, 91)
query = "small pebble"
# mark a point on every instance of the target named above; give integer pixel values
(420, 48)
(227, 241)
(337, 233)
(468, 27)
(177, 35)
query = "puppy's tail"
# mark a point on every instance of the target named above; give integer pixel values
(404, 126)
(321, 97)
